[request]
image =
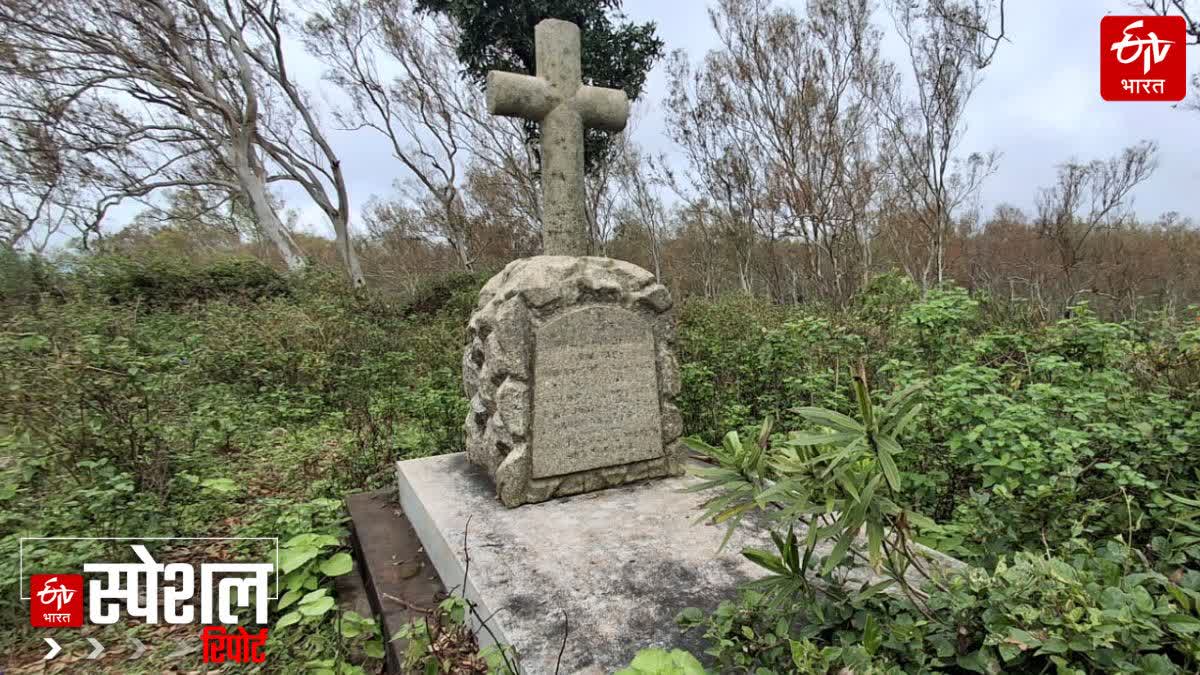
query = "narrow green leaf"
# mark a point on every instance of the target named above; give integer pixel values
(830, 418)
(886, 447)
(802, 439)
(765, 559)
(1182, 623)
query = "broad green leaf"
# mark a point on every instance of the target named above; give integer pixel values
(292, 558)
(337, 565)
(1022, 639)
(351, 629)
(311, 540)
(288, 598)
(287, 620)
(374, 649)
(1053, 646)
(316, 608)
(220, 485)
(314, 596)
(690, 616)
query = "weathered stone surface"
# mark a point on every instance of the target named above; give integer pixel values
(564, 106)
(595, 397)
(656, 297)
(672, 422)
(621, 563)
(571, 378)
(512, 402)
(668, 371)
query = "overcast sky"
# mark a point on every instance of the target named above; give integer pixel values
(1039, 105)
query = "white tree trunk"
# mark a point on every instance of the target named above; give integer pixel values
(255, 189)
(345, 247)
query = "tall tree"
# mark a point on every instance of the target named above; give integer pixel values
(400, 76)
(785, 103)
(199, 92)
(1088, 198)
(949, 44)
(498, 35)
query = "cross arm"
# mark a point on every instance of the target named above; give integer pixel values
(602, 108)
(515, 95)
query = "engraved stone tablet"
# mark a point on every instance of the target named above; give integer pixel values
(572, 378)
(595, 394)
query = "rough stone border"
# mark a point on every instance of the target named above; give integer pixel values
(498, 368)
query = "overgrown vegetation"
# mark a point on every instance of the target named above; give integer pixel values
(158, 398)
(1059, 460)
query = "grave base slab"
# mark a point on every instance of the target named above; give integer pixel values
(616, 566)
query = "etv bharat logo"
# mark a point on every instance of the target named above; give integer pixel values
(56, 600)
(1142, 58)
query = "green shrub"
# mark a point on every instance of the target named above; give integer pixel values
(159, 398)
(167, 282)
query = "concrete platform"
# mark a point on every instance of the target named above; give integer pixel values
(620, 564)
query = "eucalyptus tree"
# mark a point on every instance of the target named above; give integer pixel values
(175, 88)
(778, 130)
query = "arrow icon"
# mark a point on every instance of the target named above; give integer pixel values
(139, 647)
(99, 649)
(54, 649)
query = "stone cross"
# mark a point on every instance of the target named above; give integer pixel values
(564, 106)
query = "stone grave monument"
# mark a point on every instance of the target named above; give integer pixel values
(570, 369)
(572, 380)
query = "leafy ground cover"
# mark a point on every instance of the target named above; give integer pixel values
(156, 398)
(1060, 460)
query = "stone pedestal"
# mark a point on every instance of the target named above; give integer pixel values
(618, 564)
(572, 378)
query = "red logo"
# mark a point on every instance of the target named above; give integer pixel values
(56, 600)
(1143, 58)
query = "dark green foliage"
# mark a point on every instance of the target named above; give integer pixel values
(1023, 432)
(498, 35)
(155, 398)
(1089, 610)
(1060, 461)
(165, 282)
(455, 293)
(24, 279)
